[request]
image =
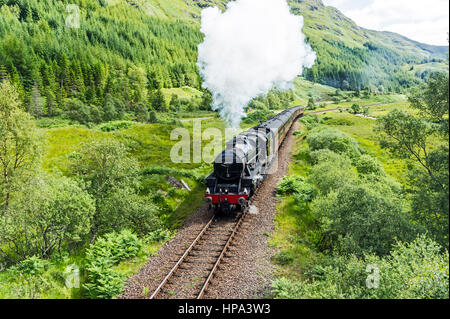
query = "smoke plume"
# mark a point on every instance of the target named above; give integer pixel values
(253, 46)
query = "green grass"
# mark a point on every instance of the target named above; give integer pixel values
(290, 224)
(184, 92)
(304, 90)
(362, 130)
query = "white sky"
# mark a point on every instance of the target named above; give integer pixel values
(425, 21)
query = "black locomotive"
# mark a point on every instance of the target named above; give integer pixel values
(246, 161)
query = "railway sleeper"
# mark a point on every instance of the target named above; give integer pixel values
(204, 255)
(223, 233)
(211, 250)
(199, 262)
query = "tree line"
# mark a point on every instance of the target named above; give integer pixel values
(118, 58)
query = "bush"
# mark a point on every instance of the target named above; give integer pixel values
(77, 111)
(368, 165)
(355, 109)
(31, 279)
(418, 270)
(158, 170)
(159, 235)
(327, 155)
(310, 120)
(51, 213)
(340, 121)
(334, 140)
(358, 218)
(290, 184)
(115, 126)
(152, 118)
(305, 193)
(331, 173)
(32, 266)
(259, 116)
(107, 251)
(141, 112)
(286, 289)
(284, 258)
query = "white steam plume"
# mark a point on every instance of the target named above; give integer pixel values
(247, 50)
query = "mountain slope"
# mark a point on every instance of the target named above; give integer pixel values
(126, 49)
(349, 57)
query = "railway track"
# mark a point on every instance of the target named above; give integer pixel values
(193, 272)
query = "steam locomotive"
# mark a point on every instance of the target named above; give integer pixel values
(247, 159)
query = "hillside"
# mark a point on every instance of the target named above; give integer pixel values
(124, 51)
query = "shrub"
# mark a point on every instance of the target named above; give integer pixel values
(290, 184)
(340, 121)
(152, 118)
(355, 109)
(141, 112)
(77, 111)
(327, 155)
(358, 218)
(330, 175)
(158, 170)
(418, 270)
(286, 289)
(107, 251)
(368, 165)
(32, 266)
(284, 258)
(115, 126)
(31, 279)
(334, 140)
(305, 193)
(259, 115)
(310, 120)
(159, 235)
(55, 212)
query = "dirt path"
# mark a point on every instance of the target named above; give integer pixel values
(247, 270)
(336, 109)
(197, 118)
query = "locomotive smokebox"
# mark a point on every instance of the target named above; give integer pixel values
(229, 165)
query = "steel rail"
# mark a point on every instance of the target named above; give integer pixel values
(222, 254)
(181, 260)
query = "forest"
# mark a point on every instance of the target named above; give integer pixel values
(120, 57)
(115, 62)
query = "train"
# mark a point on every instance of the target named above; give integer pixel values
(246, 161)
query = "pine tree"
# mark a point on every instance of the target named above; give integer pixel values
(158, 101)
(36, 101)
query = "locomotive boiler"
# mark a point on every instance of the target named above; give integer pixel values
(246, 161)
